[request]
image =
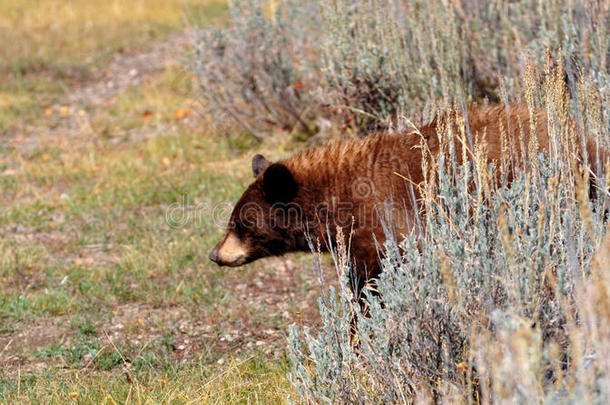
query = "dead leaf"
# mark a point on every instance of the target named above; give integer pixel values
(181, 113)
(83, 260)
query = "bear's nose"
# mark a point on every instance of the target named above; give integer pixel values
(213, 256)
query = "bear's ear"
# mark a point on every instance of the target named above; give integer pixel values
(279, 184)
(259, 163)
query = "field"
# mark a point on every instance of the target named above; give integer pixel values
(127, 131)
(102, 299)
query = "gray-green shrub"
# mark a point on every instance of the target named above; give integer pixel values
(373, 60)
(259, 71)
(505, 294)
(384, 58)
(496, 300)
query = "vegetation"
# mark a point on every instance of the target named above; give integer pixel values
(110, 168)
(101, 300)
(368, 63)
(259, 72)
(502, 295)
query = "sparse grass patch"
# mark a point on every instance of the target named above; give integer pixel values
(101, 298)
(151, 379)
(155, 105)
(117, 249)
(48, 45)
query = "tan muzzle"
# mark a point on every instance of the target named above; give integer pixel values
(230, 251)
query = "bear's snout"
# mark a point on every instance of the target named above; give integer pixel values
(230, 251)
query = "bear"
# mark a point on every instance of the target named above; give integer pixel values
(347, 183)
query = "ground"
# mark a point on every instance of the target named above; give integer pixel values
(104, 295)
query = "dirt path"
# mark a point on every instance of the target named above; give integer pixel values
(128, 70)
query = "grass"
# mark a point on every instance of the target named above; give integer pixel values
(152, 379)
(52, 37)
(101, 300)
(47, 45)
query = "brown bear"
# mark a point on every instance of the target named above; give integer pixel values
(349, 182)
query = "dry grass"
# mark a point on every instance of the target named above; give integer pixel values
(75, 34)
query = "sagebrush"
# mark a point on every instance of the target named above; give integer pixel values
(366, 62)
(502, 296)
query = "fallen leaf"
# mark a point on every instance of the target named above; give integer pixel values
(181, 113)
(146, 115)
(81, 261)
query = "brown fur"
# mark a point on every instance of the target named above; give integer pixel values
(347, 183)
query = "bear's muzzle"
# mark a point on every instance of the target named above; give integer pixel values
(230, 251)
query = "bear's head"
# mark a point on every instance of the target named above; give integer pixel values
(266, 221)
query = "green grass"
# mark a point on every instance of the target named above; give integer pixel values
(151, 378)
(101, 300)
